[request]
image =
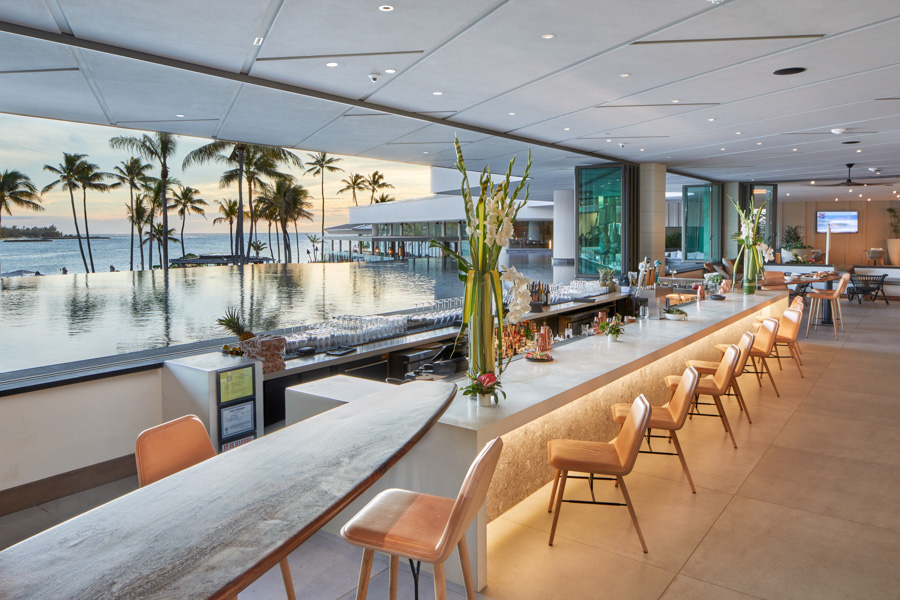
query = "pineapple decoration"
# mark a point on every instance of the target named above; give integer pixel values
(234, 322)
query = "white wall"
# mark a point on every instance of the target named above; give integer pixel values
(52, 431)
(433, 208)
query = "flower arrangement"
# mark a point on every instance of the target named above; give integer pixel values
(751, 246)
(612, 327)
(489, 225)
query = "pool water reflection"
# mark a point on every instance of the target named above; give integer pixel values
(64, 318)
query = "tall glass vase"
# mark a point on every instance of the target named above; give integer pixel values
(482, 340)
(750, 284)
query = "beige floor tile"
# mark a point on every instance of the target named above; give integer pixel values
(521, 566)
(23, 524)
(843, 438)
(792, 392)
(75, 504)
(714, 463)
(771, 551)
(848, 489)
(672, 519)
(855, 406)
(886, 383)
(687, 588)
(768, 421)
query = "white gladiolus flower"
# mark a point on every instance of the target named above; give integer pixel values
(768, 253)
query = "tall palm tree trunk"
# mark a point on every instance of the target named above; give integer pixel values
(239, 247)
(183, 219)
(323, 215)
(77, 231)
(277, 241)
(297, 237)
(87, 231)
(165, 217)
(271, 246)
(287, 241)
(131, 211)
(150, 239)
(253, 215)
(141, 245)
(231, 237)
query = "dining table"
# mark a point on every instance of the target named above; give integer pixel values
(804, 282)
(210, 530)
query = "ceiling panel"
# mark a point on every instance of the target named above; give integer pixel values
(19, 53)
(444, 134)
(599, 80)
(275, 117)
(140, 91)
(215, 33)
(506, 50)
(57, 95)
(31, 13)
(359, 130)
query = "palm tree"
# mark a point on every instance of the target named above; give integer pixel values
(384, 198)
(158, 148)
(67, 179)
(131, 172)
(90, 177)
(163, 238)
(138, 216)
(317, 166)
(187, 202)
(229, 211)
(353, 183)
(257, 246)
(17, 190)
(301, 211)
(314, 240)
(259, 162)
(235, 154)
(284, 203)
(375, 182)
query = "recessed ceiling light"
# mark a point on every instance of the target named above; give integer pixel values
(426, 152)
(548, 36)
(868, 200)
(789, 71)
(788, 193)
(812, 183)
(258, 41)
(180, 116)
(859, 149)
(438, 93)
(676, 101)
(331, 64)
(385, 8)
(711, 119)
(722, 149)
(737, 133)
(512, 114)
(835, 199)
(566, 128)
(860, 195)
(642, 149)
(608, 140)
(793, 149)
(625, 75)
(390, 71)
(759, 143)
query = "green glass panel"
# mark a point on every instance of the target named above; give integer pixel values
(697, 234)
(598, 219)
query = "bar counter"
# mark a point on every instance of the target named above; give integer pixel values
(567, 398)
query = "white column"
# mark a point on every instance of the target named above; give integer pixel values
(652, 203)
(729, 219)
(563, 235)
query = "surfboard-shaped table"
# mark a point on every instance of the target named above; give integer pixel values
(211, 530)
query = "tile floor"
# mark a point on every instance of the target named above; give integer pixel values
(807, 506)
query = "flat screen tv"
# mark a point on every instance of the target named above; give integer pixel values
(841, 221)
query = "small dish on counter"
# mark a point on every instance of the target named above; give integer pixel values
(538, 357)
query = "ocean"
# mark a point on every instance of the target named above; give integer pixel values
(49, 258)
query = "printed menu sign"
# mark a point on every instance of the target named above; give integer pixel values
(235, 384)
(236, 419)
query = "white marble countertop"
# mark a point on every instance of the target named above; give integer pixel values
(535, 389)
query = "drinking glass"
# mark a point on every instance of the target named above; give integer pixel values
(645, 311)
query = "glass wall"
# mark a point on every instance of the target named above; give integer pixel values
(531, 234)
(598, 227)
(696, 229)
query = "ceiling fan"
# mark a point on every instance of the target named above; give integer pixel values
(849, 182)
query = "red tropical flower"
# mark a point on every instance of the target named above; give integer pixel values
(487, 379)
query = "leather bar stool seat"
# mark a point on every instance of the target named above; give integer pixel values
(709, 367)
(660, 417)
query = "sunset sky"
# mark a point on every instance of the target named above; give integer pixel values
(27, 144)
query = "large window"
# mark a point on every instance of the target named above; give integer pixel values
(598, 216)
(702, 229)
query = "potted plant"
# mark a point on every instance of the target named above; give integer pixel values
(612, 328)
(674, 313)
(793, 246)
(894, 242)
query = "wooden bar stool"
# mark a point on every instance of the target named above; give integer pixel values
(715, 386)
(174, 446)
(669, 417)
(615, 459)
(788, 331)
(762, 347)
(709, 367)
(422, 527)
(834, 296)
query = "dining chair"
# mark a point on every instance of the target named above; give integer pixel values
(669, 417)
(716, 386)
(788, 332)
(174, 446)
(422, 527)
(819, 297)
(709, 367)
(613, 459)
(762, 348)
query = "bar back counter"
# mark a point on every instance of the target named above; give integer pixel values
(567, 398)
